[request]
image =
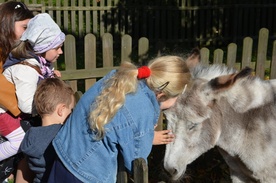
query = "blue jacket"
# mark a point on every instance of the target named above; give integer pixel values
(11, 60)
(130, 132)
(37, 145)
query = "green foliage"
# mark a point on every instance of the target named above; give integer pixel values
(10, 181)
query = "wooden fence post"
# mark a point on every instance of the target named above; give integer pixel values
(218, 56)
(126, 48)
(107, 40)
(70, 57)
(262, 51)
(231, 55)
(121, 174)
(140, 171)
(143, 49)
(204, 54)
(90, 57)
(247, 52)
(273, 62)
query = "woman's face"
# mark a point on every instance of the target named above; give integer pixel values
(20, 27)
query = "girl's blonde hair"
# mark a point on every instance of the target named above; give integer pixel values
(169, 75)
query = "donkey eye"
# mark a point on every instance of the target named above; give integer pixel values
(192, 126)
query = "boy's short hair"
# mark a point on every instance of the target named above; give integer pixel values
(51, 92)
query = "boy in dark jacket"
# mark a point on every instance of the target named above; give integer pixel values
(54, 101)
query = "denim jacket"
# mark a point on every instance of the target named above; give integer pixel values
(130, 132)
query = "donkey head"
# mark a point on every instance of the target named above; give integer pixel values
(195, 121)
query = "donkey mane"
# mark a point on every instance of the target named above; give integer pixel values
(210, 72)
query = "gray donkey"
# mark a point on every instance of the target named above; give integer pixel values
(232, 110)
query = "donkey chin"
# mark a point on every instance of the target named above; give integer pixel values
(177, 168)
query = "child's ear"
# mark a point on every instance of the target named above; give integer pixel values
(60, 108)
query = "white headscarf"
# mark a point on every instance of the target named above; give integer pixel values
(43, 33)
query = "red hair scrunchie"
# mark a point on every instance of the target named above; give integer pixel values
(143, 72)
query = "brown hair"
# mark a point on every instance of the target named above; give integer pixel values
(22, 50)
(51, 92)
(10, 12)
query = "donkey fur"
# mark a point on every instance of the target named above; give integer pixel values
(232, 110)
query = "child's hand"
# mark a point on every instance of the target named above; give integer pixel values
(162, 137)
(57, 73)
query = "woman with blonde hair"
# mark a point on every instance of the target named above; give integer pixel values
(117, 115)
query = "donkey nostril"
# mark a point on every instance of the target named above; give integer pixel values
(174, 171)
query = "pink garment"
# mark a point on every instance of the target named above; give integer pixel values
(11, 129)
(8, 123)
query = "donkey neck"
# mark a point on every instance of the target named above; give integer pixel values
(233, 128)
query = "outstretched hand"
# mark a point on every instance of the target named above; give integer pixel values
(57, 73)
(162, 137)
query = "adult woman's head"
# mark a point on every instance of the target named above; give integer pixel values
(42, 37)
(166, 76)
(14, 17)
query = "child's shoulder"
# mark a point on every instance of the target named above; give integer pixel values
(40, 136)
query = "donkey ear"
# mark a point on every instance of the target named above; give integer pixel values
(193, 58)
(226, 81)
